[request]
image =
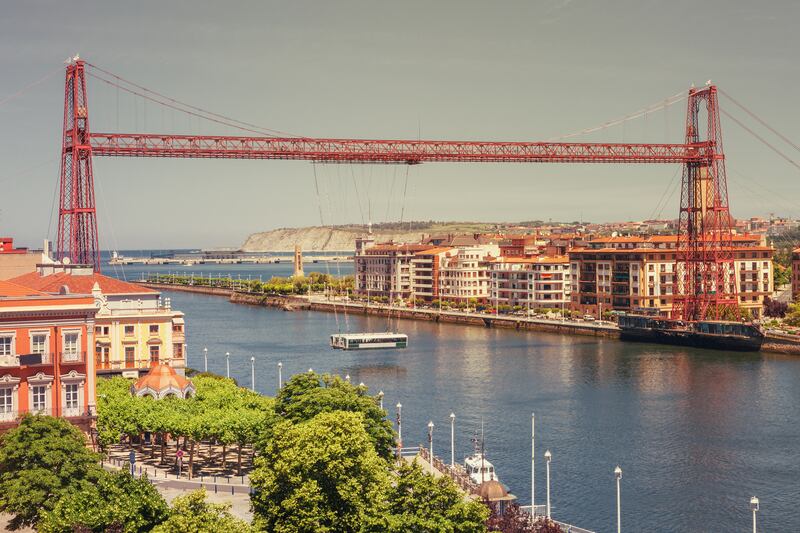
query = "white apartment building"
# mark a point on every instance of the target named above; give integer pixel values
(531, 282)
(464, 273)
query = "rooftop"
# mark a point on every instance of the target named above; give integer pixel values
(79, 284)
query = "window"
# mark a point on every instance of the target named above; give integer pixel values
(153, 329)
(154, 353)
(39, 394)
(71, 350)
(71, 399)
(39, 343)
(128, 330)
(6, 401)
(130, 356)
(6, 345)
(177, 350)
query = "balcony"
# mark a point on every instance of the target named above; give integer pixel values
(72, 358)
(33, 359)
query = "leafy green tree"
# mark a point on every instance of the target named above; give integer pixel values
(41, 461)
(322, 475)
(305, 396)
(191, 513)
(418, 502)
(117, 502)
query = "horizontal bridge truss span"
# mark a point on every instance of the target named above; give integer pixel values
(387, 151)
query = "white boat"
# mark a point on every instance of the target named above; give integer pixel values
(362, 341)
(479, 469)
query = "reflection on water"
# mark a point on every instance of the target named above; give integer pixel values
(696, 432)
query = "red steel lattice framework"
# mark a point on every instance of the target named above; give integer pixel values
(77, 218)
(705, 274)
(704, 260)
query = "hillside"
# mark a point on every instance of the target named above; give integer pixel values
(341, 238)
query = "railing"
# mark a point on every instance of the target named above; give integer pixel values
(541, 509)
(73, 357)
(456, 472)
(33, 359)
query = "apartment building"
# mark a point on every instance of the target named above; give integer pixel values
(134, 329)
(44, 367)
(795, 273)
(634, 273)
(464, 273)
(425, 272)
(531, 282)
(384, 270)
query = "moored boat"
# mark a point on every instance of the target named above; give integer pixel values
(713, 334)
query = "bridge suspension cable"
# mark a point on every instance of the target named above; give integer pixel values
(663, 104)
(178, 105)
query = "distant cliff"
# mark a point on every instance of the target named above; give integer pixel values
(342, 238)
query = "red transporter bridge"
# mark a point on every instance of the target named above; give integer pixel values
(705, 287)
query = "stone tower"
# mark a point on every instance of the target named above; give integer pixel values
(298, 262)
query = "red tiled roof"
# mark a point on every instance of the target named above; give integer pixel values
(13, 290)
(160, 378)
(433, 251)
(79, 284)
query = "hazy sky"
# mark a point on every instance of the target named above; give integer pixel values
(529, 70)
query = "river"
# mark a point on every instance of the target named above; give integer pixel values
(696, 432)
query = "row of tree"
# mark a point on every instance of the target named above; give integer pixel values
(219, 412)
(315, 282)
(50, 480)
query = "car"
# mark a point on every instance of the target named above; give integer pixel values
(588, 318)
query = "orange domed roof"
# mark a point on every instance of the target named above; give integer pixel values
(492, 491)
(162, 381)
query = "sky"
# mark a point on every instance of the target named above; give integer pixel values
(458, 70)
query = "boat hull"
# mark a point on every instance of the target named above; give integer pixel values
(694, 339)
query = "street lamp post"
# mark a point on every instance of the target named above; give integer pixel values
(533, 465)
(252, 373)
(228, 364)
(618, 475)
(399, 426)
(430, 443)
(547, 457)
(754, 508)
(280, 375)
(380, 399)
(205, 359)
(452, 440)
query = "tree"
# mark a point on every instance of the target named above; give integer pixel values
(418, 502)
(117, 502)
(774, 308)
(305, 396)
(322, 475)
(42, 460)
(191, 513)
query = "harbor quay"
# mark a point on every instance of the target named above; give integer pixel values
(775, 341)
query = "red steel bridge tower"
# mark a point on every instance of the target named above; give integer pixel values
(704, 274)
(77, 218)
